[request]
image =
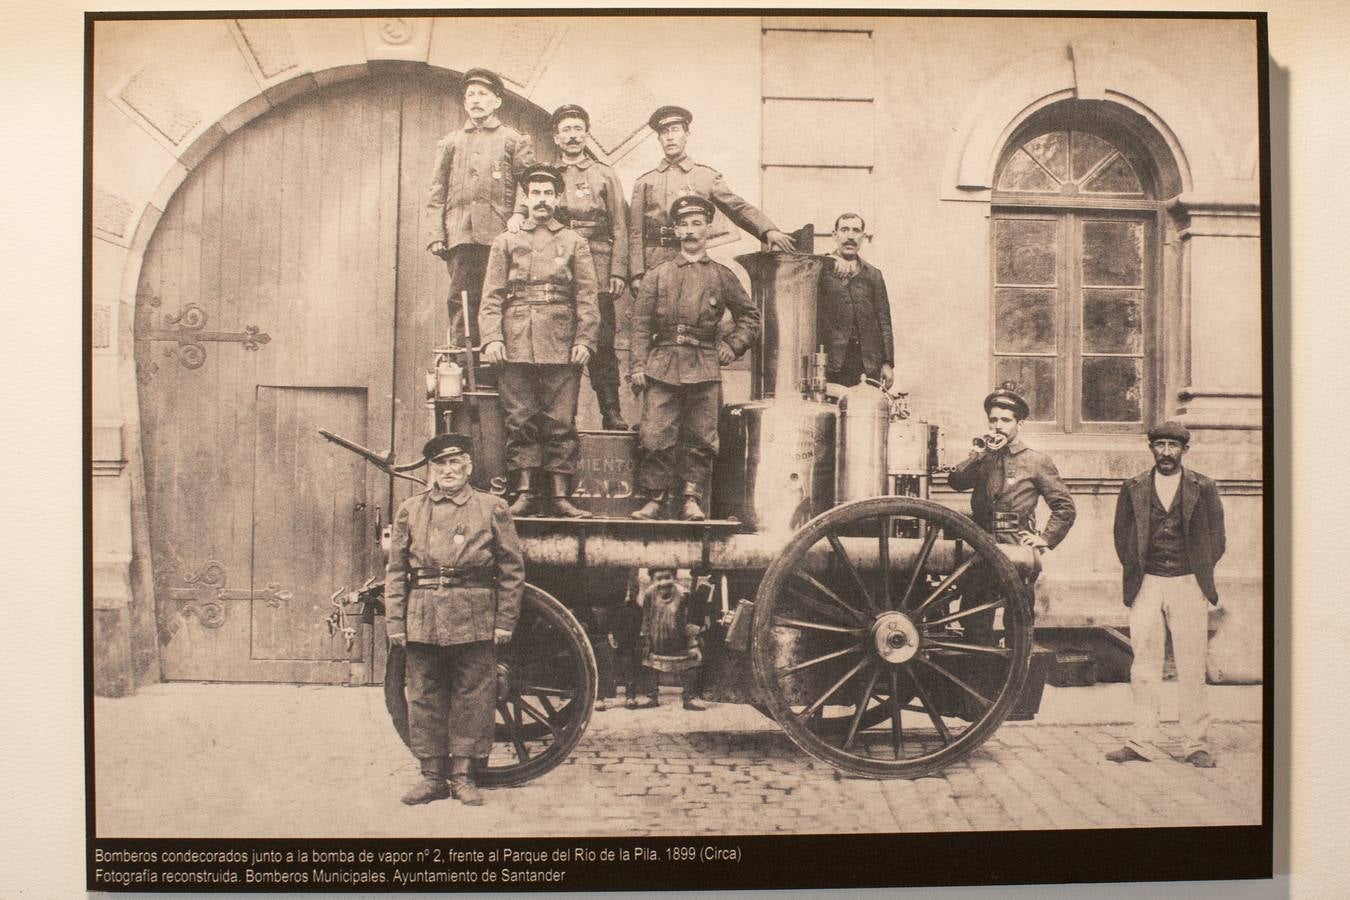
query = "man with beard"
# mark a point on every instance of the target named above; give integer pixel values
(670, 636)
(1169, 533)
(854, 314)
(651, 237)
(1009, 480)
(473, 194)
(452, 591)
(539, 323)
(592, 205)
(677, 359)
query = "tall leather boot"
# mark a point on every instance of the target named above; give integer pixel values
(522, 485)
(692, 510)
(432, 786)
(654, 508)
(562, 487)
(611, 416)
(462, 787)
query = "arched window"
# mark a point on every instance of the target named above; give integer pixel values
(1076, 220)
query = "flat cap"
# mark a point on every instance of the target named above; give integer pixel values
(1169, 430)
(690, 203)
(569, 111)
(485, 77)
(1009, 400)
(449, 444)
(542, 172)
(667, 114)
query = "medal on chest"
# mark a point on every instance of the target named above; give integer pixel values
(459, 535)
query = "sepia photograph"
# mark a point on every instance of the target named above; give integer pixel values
(582, 446)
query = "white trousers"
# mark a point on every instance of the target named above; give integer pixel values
(1177, 605)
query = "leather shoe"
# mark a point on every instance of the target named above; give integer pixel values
(427, 790)
(691, 511)
(1201, 760)
(561, 485)
(523, 505)
(1126, 754)
(649, 511)
(465, 791)
(694, 706)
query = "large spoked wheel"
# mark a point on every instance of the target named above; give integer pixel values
(546, 683)
(891, 637)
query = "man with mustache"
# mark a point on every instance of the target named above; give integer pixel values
(473, 194)
(452, 592)
(539, 323)
(1008, 479)
(1169, 533)
(592, 205)
(854, 313)
(651, 237)
(676, 362)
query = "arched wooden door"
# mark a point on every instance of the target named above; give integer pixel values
(287, 289)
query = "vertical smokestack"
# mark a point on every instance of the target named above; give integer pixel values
(784, 287)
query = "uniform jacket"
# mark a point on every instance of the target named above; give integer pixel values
(540, 256)
(1011, 481)
(593, 205)
(856, 308)
(690, 293)
(473, 183)
(655, 191)
(1201, 525)
(424, 534)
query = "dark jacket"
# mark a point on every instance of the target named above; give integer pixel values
(1201, 525)
(473, 182)
(1011, 481)
(856, 308)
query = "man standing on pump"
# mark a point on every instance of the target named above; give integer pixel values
(854, 318)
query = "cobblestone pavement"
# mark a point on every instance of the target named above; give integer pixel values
(191, 760)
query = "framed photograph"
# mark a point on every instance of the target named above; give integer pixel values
(687, 449)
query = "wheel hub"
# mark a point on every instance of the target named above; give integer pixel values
(894, 637)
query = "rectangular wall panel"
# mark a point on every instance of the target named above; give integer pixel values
(834, 64)
(818, 133)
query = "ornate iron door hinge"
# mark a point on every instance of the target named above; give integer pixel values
(187, 330)
(205, 592)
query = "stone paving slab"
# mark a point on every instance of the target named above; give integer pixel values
(197, 760)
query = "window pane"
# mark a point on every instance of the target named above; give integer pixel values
(1020, 173)
(1052, 151)
(1025, 251)
(1088, 150)
(1113, 321)
(1112, 389)
(1024, 320)
(1116, 177)
(1034, 379)
(1113, 253)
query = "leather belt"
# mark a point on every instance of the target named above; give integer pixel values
(660, 236)
(452, 576)
(539, 293)
(1010, 523)
(688, 335)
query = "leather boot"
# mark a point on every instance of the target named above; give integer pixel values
(522, 485)
(432, 786)
(691, 510)
(462, 787)
(562, 487)
(652, 509)
(611, 417)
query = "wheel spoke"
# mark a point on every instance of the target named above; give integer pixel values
(897, 736)
(820, 659)
(838, 547)
(524, 706)
(929, 708)
(833, 689)
(831, 595)
(920, 562)
(862, 708)
(816, 626)
(962, 613)
(548, 707)
(514, 728)
(942, 588)
(956, 681)
(967, 648)
(884, 558)
(540, 690)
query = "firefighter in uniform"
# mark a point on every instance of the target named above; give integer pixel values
(473, 194)
(452, 591)
(1008, 479)
(651, 237)
(539, 323)
(592, 204)
(677, 358)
